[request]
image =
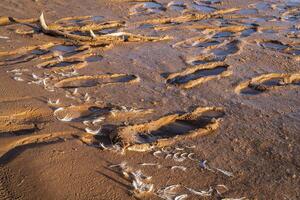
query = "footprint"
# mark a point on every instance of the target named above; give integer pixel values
(274, 45)
(32, 139)
(94, 80)
(195, 75)
(278, 46)
(60, 60)
(23, 121)
(266, 82)
(226, 49)
(169, 129)
(25, 54)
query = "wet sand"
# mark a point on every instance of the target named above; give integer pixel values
(122, 99)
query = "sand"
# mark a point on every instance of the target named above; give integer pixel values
(122, 99)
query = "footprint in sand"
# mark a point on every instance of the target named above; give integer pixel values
(199, 74)
(22, 121)
(267, 82)
(219, 46)
(94, 80)
(279, 46)
(169, 129)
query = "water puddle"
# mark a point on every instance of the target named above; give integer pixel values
(209, 2)
(295, 52)
(292, 3)
(182, 126)
(38, 52)
(176, 6)
(248, 32)
(198, 74)
(145, 26)
(249, 91)
(206, 44)
(292, 18)
(274, 45)
(197, 62)
(63, 49)
(269, 31)
(108, 31)
(223, 34)
(227, 49)
(247, 12)
(203, 8)
(273, 82)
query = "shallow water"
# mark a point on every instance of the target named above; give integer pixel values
(226, 50)
(247, 12)
(248, 32)
(176, 6)
(63, 48)
(203, 8)
(206, 44)
(223, 34)
(274, 45)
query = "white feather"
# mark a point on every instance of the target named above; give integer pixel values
(67, 118)
(202, 193)
(18, 79)
(93, 132)
(58, 110)
(179, 167)
(181, 197)
(227, 173)
(98, 120)
(35, 76)
(190, 156)
(92, 34)
(50, 102)
(4, 37)
(157, 153)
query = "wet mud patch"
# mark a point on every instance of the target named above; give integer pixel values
(176, 6)
(229, 48)
(267, 82)
(199, 74)
(94, 80)
(278, 46)
(249, 11)
(274, 45)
